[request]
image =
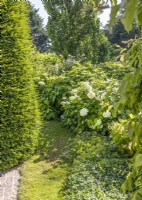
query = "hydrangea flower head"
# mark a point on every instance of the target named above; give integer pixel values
(74, 91)
(41, 83)
(103, 95)
(83, 112)
(98, 122)
(91, 94)
(106, 114)
(72, 98)
(86, 85)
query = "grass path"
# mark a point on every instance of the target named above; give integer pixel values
(43, 175)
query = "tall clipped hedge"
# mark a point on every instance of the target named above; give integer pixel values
(19, 108)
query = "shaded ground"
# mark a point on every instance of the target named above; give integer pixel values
(44, 175)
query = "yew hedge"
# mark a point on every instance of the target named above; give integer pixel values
(19, 108)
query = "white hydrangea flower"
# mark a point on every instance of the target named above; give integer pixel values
(68, 103)
(106, 114)
(65, 102)
(72, 98)
(115, 89)
(74, 91)
(86, 85)
(91, 94)
(41, 83)
(98, 98)
(103, 95)
(98, 122)
(92, 127)
(83, 112)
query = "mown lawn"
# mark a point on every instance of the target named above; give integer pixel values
(44, 174)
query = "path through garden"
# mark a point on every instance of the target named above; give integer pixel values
(44, 174)
(9, 182)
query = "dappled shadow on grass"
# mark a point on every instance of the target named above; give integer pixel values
(57, 164)
(45, 173)
(53, 142)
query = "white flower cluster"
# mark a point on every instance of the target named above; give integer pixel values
(71, 98)
(74, 91)
(86, 85)
(65, 103)
(91, 94)
(98, 98)
(98, 122)
(115, 89)
(83, 112)
(106, 114)
(41, 83)
(103, 95)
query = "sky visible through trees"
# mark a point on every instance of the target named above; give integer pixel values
(104, 17)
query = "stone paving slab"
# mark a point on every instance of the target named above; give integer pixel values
(9, 182)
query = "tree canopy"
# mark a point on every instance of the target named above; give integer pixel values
(74, 29)
(38, 32)
(119, 33)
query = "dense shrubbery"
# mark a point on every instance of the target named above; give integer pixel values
(83, 86)
(46, 64)
(96, 100)
(83, 97)
(19, 110)
(56, 86)
(98, 170)
(130, 129)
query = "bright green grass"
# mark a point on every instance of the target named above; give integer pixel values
(43, 176)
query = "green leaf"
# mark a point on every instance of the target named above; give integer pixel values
(130, 14)
(138, 160)
(131, 116)
(113, 14)
(137, 195)
(140, 15)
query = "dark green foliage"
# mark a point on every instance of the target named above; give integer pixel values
(50, 105)
(74, 30)
(19, 109)
(131, 96)
(119, 34)
(38, 32)
(46, 64)
(99, 168)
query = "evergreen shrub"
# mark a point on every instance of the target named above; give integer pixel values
(19, 108)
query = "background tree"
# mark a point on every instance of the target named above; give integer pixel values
(38, 32)
(119, 33)
(74, 29)
(19, 108)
